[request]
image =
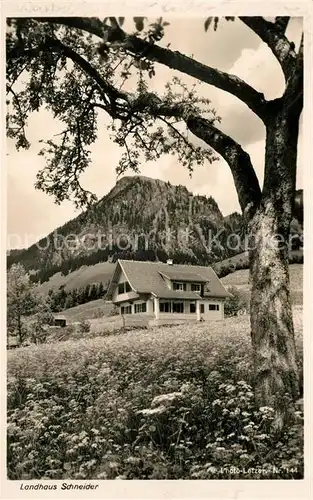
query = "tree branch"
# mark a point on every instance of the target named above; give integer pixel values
(282, 22)
(106, 90)
(104, 87)
(293, 96)
(174, 60)
(274, 37)
(92, 25)
(246, 181)
(171, 126)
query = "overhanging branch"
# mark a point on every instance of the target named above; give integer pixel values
(282, 22)
(108, 92)
(246, 181)
(172, 59)
(105, 88)
(275, 39)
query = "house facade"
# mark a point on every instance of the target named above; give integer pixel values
(167, 293)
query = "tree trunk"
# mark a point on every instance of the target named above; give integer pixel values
(272, 330)
(19, 328)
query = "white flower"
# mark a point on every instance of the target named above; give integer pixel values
(152, 411)
(165, 399)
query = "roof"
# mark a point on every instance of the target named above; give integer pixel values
(176, 274)
(177, 294)
(148, 277)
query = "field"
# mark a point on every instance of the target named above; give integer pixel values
(80, 278)
(240, 280)
(90, 310)
(243, 259)
(165, 403)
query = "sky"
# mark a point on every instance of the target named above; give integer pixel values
(32, 214)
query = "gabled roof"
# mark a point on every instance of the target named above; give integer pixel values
(177, 294)
(177, 274)
(146, 277)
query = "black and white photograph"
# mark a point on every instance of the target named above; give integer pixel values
(155, 175)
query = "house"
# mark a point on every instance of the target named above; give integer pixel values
(59, 321)
(12, 342)
(167, 293)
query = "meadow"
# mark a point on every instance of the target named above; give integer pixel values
(240, 280)
(79, 278)
(164, 403)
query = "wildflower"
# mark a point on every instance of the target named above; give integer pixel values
(266, 409)
(133, 460)
(113, 465)
(217, 402)
(165, 399)
(102, 475)
(152, 411)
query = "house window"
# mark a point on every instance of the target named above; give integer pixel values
(202, 308)
(126, 309)
(195, 287)
(214, 307)
(179, 286)
(141, 308)
(124, 288)
(178, 307)
(192, 307)
(165, 307)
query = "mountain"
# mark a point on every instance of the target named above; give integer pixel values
(140, 218)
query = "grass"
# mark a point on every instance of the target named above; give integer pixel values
(243, 259)
(165, 403)
(80, 278)
(90, 310)
(240, 280)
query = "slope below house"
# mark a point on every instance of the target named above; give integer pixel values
(240, 280)
(101, 272)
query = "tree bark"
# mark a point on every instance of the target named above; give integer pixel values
(272, 331)
(19, 328)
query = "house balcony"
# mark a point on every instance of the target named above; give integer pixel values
(124, 297)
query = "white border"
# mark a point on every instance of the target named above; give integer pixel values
(236, 489)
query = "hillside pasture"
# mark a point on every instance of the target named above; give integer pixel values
(165, 403)
(91, 310)
(240, 280)
(242, 260)
(80, 277)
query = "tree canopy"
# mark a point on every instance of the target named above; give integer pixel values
(80, 67)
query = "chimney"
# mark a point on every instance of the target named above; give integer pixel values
(169, 262)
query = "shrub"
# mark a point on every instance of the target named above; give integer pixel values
(84, 327)
(236, 303)
(114, 311)
(98, 313)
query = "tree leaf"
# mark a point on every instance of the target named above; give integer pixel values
(207, 23)
(139, 23)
